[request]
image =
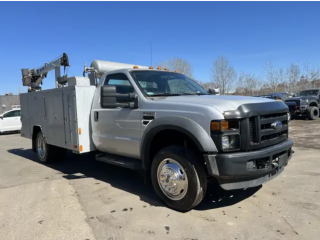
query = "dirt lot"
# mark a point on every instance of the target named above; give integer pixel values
(82, 199)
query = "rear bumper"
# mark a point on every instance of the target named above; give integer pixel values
(249, 169)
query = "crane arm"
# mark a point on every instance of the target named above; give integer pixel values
(34, 77)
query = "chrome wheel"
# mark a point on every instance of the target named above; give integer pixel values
(289, 117)
(41, 146)
(172, 179)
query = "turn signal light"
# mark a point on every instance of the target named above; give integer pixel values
(135, 67)
(215, 126)
(150, 67)
(166, 69)
(224, 125)
(159, 68)
(175, 71)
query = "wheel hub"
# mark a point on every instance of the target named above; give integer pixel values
(172, 179)
(41, 147)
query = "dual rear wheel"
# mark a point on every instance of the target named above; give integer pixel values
(46, 152)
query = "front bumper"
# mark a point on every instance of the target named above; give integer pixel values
(236, 171)
(302, 108)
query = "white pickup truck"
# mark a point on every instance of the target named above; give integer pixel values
(164, 123)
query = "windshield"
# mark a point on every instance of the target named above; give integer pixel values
(309, 93)
(158, 83)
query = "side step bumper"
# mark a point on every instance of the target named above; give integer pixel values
(131, 163)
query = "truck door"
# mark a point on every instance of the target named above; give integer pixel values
(118, 129)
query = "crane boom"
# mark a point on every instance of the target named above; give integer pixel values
(34, 77)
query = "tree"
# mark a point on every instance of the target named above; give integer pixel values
(275, 77)
(248, 84)
(181, 65)
(293, 75)
(310, 75)
(223, 74)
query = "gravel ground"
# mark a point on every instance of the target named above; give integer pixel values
(82, 199)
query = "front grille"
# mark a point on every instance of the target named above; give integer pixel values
(296, 101)
(257, 132)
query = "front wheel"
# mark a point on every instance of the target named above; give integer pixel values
(179, 178)
(313, 113)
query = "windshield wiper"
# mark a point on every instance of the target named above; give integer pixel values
(185, 93)
(164, 94)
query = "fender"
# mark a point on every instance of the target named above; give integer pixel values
(314, 101)
(184, 125)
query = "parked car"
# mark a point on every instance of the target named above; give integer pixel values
(10, 121)
(283, 95)
(264, 96)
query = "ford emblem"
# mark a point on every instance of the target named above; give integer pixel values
(277, 125)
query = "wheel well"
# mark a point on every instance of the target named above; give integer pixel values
(35, 131)
(313, 104)
(167, 138)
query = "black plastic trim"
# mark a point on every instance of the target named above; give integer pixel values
(234, 165)
(256, 109)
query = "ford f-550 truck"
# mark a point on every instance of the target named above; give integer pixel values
(160, 121)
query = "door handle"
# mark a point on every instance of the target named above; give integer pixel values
(96, 116)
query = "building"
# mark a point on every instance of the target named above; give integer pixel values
(8, 102)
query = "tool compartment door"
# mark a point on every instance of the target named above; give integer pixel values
(71, 129)
(54, 106)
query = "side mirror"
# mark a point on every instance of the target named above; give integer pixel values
(109, 98)
(212, 91)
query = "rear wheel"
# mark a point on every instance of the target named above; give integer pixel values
(48, 153)
(313, 113)
(179, 178)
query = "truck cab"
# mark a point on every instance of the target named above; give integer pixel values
(164, 123)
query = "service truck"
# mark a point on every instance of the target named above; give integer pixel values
(158, 121)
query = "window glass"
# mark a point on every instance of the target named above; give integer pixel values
(166, 83)
(121, 81)
(12, 114)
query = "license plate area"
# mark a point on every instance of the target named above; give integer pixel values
(280, 160)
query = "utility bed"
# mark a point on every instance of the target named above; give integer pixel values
(63, 114)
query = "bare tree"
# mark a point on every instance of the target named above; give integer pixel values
(293, 75)
(310, 75)
(181, 65)
(275, 77)
(223, 74)
(248, 84)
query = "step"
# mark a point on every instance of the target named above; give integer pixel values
(131, 163)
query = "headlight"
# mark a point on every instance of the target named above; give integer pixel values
(230, 142)
(305, 101)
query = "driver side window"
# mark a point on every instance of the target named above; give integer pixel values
(121, 81)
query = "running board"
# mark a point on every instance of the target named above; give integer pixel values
(120, 161)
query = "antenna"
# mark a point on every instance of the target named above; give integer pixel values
(151, 51)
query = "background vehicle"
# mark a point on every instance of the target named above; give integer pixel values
(282, 95)
(307, 103)
(10, 121)
(161, 122)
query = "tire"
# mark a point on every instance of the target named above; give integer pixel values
(313, 113)
(47, 153)
(188, 166)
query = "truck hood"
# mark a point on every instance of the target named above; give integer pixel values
(302, 98)
(220, 102)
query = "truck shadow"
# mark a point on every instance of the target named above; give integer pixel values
(84, 166)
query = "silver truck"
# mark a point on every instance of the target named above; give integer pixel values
(159, 121)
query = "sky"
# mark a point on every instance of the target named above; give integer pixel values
(247, 33)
